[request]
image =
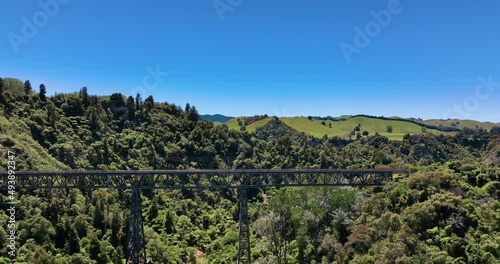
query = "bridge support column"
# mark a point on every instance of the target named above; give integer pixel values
(244, 232)
(136, 250)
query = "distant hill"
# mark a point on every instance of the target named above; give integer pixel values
(461, 123)
(216, 118)
(343, 126)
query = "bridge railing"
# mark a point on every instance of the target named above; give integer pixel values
(197, 179)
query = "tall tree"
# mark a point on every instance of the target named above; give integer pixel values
(149, 104)
(98, 220)
(138, 101)
(131, 108)
(97, 251)
(117, 105)
(95, 117)
(52, 115)
(27, 87)
(192, 114)
(84, 95)
(1, 89)
(43, 92)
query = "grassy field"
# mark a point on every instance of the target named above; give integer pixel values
(233, 124)
(463, 123)
(342, 128)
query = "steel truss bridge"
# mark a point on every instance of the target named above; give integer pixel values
(242, 180)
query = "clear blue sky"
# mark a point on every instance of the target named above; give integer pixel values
(274, 57)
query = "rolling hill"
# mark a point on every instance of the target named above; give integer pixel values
(461, 123)
(216, 118)
(342, 126)
(233, 124)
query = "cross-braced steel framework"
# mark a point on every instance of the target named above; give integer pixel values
(194, 179)
(136, 244)
(244, 231)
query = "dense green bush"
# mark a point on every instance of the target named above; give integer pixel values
(448, 210)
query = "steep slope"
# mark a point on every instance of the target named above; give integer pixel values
(15, 136)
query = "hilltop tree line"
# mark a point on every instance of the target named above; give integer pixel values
(448, 210)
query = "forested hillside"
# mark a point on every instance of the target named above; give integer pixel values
(446, 211)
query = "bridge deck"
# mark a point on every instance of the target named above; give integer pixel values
(191, 179)
(195, 179)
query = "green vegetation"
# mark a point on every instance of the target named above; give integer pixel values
(461, 123)
(343, 128)
(233, 124)
(216, 118)
(15, 135)
(446, 211)
(393, 128)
